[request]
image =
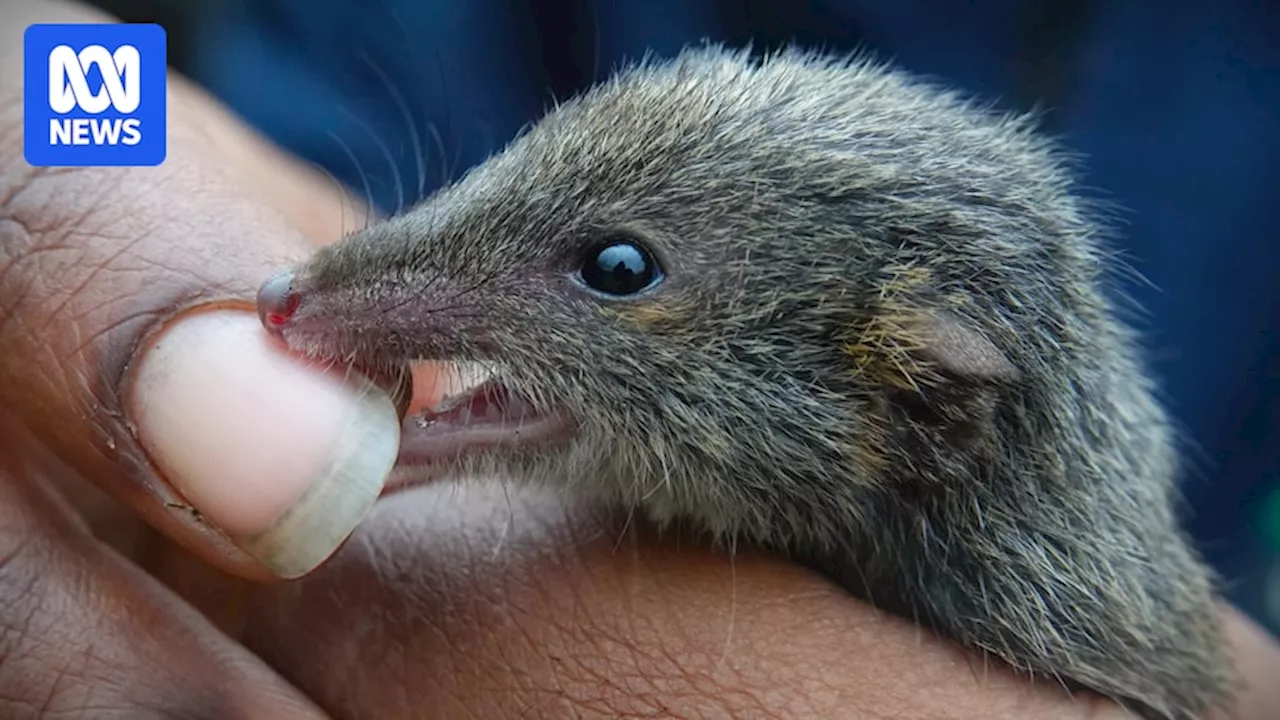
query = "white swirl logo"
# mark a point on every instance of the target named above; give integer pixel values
(121, 79)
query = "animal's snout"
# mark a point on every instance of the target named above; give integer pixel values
(277, 301)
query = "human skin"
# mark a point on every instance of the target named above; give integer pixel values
(461, 600)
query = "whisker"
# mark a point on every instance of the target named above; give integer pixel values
(414, 138)
(364, 177)
(386, 152)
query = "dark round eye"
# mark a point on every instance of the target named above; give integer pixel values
(619, 268)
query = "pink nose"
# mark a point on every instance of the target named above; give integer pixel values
(277, 302)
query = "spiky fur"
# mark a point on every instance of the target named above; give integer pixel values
(812, 213)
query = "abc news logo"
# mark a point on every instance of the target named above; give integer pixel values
(94, 95)
(69, 89)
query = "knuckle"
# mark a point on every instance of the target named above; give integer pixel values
(83, 277)
(68, 246)
(62, 652)
(31, 634)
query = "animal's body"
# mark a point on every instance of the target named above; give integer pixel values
(817, 305)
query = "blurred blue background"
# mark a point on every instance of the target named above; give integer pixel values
(1176, 105)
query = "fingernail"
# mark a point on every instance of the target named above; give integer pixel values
(284, 457)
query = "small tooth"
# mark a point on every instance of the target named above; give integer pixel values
(471, 374)
(464, 415)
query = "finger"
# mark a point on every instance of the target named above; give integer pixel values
(521, 609)
(129, 345)
(85, 635)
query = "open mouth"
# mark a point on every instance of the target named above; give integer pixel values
(459, 409)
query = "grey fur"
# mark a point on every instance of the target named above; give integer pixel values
(883, 348)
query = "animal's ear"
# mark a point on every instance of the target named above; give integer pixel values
(913, 353)
(911, 335)
(956, 348)
(958, 413)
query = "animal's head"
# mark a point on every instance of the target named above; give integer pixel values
(701, 283)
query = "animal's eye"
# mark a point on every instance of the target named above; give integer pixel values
(619, 267)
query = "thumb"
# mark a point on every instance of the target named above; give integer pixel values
(129, 344)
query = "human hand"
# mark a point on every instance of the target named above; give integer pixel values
(447, 602)
(131, 357)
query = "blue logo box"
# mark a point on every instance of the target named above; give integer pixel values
(94, 95)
